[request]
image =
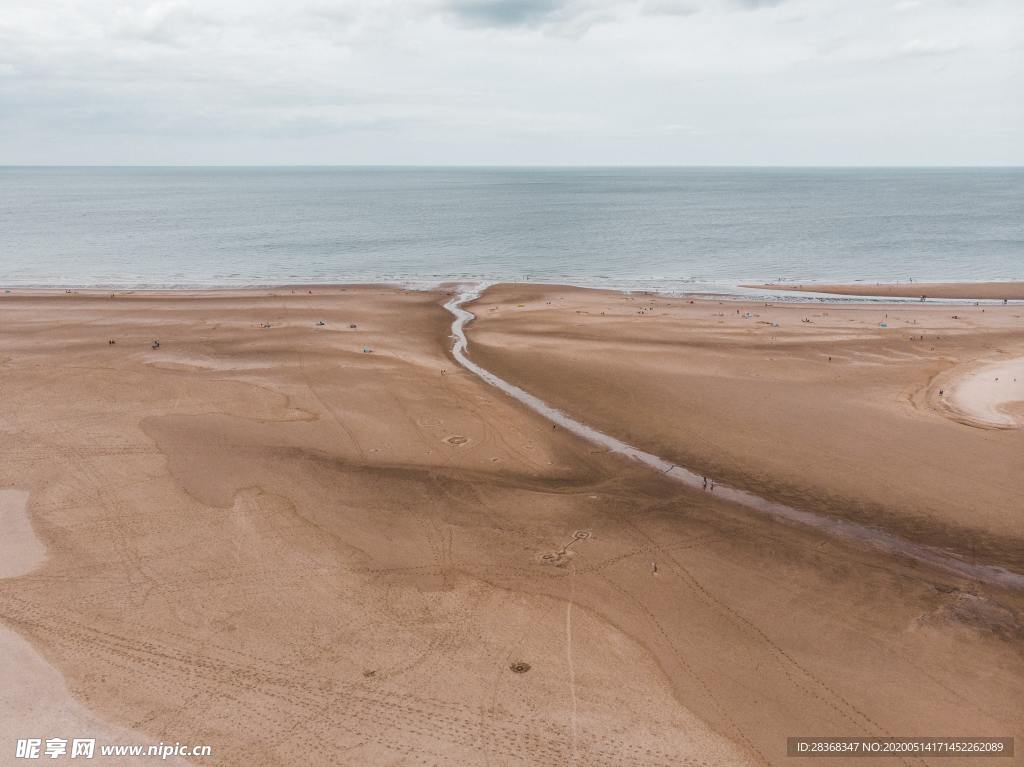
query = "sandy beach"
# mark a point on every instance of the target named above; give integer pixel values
(988, 291)
(299, 531)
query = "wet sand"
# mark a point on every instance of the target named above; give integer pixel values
(272, 541)
(973, 397)
(992, 395)
(21, 550)
(833, 408)
(34, 699)
(994, 291)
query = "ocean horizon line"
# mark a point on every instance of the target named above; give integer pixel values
(505, 166)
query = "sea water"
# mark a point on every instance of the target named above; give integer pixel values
(672, 228)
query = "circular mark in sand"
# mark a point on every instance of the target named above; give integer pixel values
(556, 558)
(456, 439)
(519, 667)
(582, 535)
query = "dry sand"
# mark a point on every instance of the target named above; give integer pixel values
(271, 541)
(996, 291)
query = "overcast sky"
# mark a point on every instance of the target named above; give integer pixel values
(663, 82)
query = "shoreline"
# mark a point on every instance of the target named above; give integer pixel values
(981, 290)
(953, 293)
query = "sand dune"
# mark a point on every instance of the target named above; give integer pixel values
(301, 552)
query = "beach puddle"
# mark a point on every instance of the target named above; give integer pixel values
(868, 537)
(20, 550)
(990, 396)
(35, 701)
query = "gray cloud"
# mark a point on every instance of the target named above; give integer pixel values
(754, 5)
(536, 81)
(505, 13)
(670, 7)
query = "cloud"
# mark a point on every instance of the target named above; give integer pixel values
(880, 52)
(670, 7)
(931, 47)
(505, 13)
(753, 5)
(557, 18)
(164, 23)
(497, 81)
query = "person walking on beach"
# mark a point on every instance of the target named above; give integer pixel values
(705, 483)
